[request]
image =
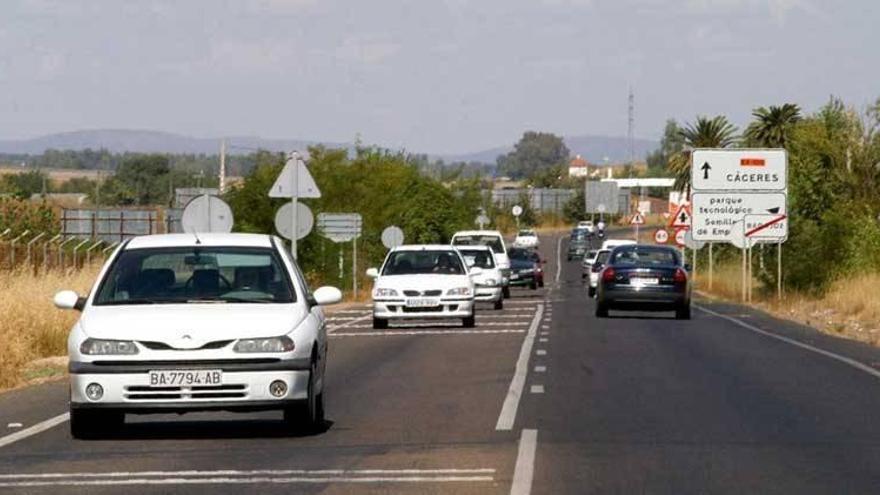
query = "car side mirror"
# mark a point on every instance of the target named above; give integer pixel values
(68, 299)
(475, 271)
(327, 295)
(373, 273)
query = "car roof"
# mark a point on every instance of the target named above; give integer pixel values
(424, 247)
(477, 232)
(205, 239)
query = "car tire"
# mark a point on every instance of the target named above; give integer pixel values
(541, 283)
(533, 286)
(309, 415)
(591, 292)
(683, 312)
(86, 424)
(499, 304)
(505, 292)
(470, 321)
(601, 310)
(379, 323)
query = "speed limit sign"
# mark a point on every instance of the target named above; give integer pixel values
(680, 237)
(661, 236)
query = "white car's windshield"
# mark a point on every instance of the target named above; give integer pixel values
(493, 241)
(423, 262)
(478, 257)
(187, 274)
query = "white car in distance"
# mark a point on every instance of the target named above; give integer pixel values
(586, 225)
(180, 323)
(526, 239)
(423, 282)
(495, 241)
(487, 284)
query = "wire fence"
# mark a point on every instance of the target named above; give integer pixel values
(50, 251)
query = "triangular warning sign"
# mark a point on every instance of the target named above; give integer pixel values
(637, 219)
(682, 218)
(305, 185)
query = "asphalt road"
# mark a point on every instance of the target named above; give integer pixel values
(541, 398)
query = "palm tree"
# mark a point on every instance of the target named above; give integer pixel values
(772, 126)
(717, 132)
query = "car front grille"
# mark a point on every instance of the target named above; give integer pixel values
(417, 293)
(146, 393)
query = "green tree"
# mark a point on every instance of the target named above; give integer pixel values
(671, 143)
(535, 152)
(773, 126)
(716, 132)
(24, 184)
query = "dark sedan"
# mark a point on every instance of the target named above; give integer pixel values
(644, 278)
(525, 268)
(577, 248)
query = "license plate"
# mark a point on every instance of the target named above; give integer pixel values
(644, 281)
(514, 276)
(185, 378)
(422, 303)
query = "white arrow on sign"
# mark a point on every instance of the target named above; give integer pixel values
(306, 187)
(682, 218)
(739, 170)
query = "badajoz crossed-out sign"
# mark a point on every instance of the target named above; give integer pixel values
(739, 186)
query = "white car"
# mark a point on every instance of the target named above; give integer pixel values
(613, 243)
(495, 241)
(587, 263)
(181, 323)
(424, 282)
(596, 270)
(487, 283)
(526, 239)
(586, 225)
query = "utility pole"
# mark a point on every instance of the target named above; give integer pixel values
(222, 182)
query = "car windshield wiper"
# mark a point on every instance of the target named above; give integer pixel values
(224, 299)
(124, 302)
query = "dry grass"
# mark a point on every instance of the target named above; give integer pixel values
(31, 327)
(850, 308)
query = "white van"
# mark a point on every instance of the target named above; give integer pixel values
(495, 241)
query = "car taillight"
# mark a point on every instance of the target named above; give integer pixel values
(608, 275)
(680, 276)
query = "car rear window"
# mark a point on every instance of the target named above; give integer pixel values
(644, 256)
(493, 241)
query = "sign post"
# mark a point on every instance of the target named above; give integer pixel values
(637, 219)
(294, 182)
(343, 227)
(517, 211)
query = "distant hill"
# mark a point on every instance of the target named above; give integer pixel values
(593, 148)
(120, 141)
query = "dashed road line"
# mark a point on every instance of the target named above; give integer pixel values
(524, 472)
(537, 389)
(541, 352)
(558, 259)
(540, 369)
(511, 401)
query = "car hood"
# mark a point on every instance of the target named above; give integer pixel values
(203, 323)
(486, 274)
(423, 282)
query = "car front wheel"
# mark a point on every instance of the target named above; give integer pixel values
(470, 321)
(505, 292)
(499, 304)
(309, 415)
(379, 323)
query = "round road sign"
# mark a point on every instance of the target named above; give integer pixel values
(517, 210)
(206, 214)
(661, 236)
(679, 237)
(304, 220)
(692, 243)
(392, 237)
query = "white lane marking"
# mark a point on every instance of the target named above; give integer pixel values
(543, 339)
(558, 258)
(258, 472)
(540, 369)
(541, 352)
(544, 333)
(398, 333)
(545, 327)
(523, 301)
(511, 401)
(502, 317)
(444, 324)
(837, 357)
(537, 389)
(33, 430)
(333, 328)
(14, 426)
(524, 471)
(243, 481)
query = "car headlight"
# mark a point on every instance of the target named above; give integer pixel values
(271, 344)
(104, 347)
(490, 282)
(384, 292)
(526, 271)
(459, 291)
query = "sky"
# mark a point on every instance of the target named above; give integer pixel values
(438, 76)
